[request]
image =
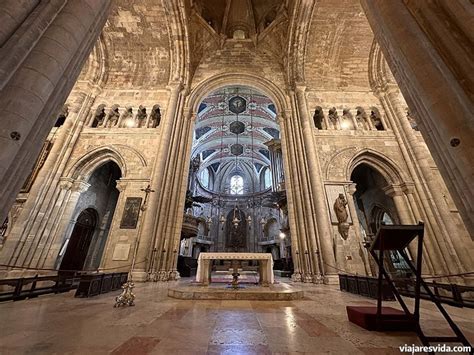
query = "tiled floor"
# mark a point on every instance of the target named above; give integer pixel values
(59, 324)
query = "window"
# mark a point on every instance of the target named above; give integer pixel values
(268, 178)
(236, 185)
(205, 178)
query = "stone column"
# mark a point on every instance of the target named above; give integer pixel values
(150, 216)
(323, 225)
(292, 205)
(449, 235)
(432, 260)
(40, 63)
(425, 47)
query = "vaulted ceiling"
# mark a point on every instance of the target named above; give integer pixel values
(231, 129)
(249, 16)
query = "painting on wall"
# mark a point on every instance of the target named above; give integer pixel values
(131, 213)
(332, 193)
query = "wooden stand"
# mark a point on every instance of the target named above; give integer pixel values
(397, 237)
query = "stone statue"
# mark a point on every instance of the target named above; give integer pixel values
(341, 214)
(114, 116)
(99, 116)
(127, 118)
(333, 117)
(155, 116)
(141, 116)
(377, 122)
(318, 119)
(361, 119)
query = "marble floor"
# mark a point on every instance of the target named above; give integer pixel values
(317, 324)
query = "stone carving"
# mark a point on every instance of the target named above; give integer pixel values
(340, 208)
(346, 119)
(141, 116)
(318, 118)
(376, 121)
(333, 118)
(127, 118)
(155, 116)
(99, 116)
(113, 116)
(361, 119)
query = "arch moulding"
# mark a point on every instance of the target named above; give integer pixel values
(209, 85)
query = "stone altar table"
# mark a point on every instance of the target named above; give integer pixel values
(203, 274)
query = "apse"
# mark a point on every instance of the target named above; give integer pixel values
(236, 173)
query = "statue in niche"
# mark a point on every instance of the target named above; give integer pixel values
(333, 118)
(155, 116)
(114, 116)
(361, 119)
(99, 116)
(340, 208)
(346, 120)
(318, 118)
(377, 122)
(127, 118)
(141, 116)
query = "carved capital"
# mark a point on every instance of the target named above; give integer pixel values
(65, 183)
(408, 187)
(80, 186)
(351, 189)
(394, 190)
(121, 185)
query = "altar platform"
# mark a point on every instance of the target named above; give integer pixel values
(247, 290)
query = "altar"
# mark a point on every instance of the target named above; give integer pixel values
(265, 261)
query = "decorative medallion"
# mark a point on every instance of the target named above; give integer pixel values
(237, 104)
(237, 149)
(237, 127)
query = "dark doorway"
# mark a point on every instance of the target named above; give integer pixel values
(80, 240)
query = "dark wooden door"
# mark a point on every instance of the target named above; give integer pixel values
(80, 241)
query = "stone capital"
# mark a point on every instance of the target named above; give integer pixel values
(394, 190)
(121, 185)
(351, 189)
(408, 187)
(80, 186)
(65, 183)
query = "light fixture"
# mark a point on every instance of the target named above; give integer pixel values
(282, 235)
(235, 220)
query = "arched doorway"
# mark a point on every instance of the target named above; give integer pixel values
(79, 242)
(101, 197)
(374, 208)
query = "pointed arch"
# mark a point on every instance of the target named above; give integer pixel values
(392, 173)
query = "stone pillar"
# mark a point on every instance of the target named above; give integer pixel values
(449, 234)
(432, 260)
(148, 236)
(40, 63)
(292, 204)
(425, 47)
(319, 210)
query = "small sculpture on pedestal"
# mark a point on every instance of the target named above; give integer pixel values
(342, 216)
(127, 297)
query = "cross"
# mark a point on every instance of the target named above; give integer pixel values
(147, 191)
